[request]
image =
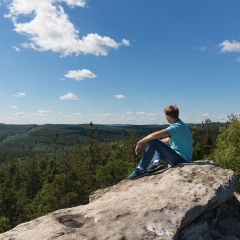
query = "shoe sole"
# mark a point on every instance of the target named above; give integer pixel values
(156, 169)
(147, 174)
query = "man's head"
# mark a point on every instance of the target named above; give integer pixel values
(172, 112)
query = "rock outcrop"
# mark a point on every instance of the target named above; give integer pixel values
(190, 201)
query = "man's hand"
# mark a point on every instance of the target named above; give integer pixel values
(138, 148)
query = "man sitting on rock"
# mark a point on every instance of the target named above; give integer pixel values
(174, 147)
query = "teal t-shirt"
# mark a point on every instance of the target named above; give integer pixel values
(181, 139)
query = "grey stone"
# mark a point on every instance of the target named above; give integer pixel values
(186, 202)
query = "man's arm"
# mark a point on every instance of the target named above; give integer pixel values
(159, 134)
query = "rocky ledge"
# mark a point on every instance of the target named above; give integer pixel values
(190, 201)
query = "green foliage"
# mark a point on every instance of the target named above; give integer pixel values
(113, 172)
(227, 150)
(4, 224)
(204, 138)
(22, 139)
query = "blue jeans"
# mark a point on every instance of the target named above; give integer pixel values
(156, 149)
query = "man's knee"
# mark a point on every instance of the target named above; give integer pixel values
(153, 142)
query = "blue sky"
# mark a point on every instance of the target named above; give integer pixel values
(118, 62)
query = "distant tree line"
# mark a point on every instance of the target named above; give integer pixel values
(41, 182)
(21, 140)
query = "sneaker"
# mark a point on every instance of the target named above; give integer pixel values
(156, 165)
(137, 173)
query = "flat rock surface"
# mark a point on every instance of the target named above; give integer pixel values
(151, 207)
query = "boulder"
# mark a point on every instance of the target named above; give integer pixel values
(183, 202)
(221, 223)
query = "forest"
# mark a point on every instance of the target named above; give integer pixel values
(49, 167)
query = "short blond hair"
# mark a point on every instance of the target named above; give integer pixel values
(172, 111)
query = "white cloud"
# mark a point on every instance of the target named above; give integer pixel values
(16, 48)
(152, 119)
(106, 115)
(68, 96)
(49, 28)
(125, 42)
(128, 113)
(140, 113)
(119, 96)
(204, 115)
(202, 48)
(153, 114)
(20, 95)
(14, 107)
(227, 46)
(80, 74)
(237, 115)
(19, 113)
(44, 111)
(79, 3)
(222, 117)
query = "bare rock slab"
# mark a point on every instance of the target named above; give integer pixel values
(153, 207)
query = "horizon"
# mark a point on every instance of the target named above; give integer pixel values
(106, 124)
(71, 62)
